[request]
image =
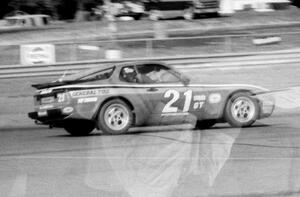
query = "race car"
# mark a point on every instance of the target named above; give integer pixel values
(114, 98)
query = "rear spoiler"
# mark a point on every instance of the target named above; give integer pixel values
(39, 86)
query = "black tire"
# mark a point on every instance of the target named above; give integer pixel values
(79, 127)
(205, 124)
(118, 124)
(241, 110)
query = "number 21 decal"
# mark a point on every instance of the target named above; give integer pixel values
(175, 95)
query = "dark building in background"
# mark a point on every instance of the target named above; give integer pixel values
(59, 9)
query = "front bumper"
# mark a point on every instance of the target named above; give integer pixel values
(266, 109)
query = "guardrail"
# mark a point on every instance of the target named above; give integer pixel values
(181, 62)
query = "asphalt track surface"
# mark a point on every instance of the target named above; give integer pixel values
(263, 160)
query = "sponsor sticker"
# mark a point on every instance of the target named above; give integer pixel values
(214, 98)
(42, 113)
(46, 100)
(87, 100)
(92, 92)
(46, 107)
(32, 54)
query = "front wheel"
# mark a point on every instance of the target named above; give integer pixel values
(241, 110)
(115, 117)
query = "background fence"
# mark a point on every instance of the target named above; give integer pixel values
(149, 48)
(182, 62)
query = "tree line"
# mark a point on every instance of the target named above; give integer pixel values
(58, 9)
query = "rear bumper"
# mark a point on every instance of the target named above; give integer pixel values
(48, 117)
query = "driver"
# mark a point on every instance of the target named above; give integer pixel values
(129, 75)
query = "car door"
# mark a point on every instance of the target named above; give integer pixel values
(169, 97)
(139, 94)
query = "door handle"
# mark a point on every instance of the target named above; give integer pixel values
(152, 89)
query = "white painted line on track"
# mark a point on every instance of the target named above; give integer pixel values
(144, 158)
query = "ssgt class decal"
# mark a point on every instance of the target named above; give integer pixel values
(197, 100)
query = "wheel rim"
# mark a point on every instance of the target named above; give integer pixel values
(116, 117)
(243, 109)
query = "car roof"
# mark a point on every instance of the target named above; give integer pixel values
(108, 66)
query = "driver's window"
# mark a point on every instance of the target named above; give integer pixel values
(128, 74)
(151, 73)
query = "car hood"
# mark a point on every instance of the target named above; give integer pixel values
(253, 88)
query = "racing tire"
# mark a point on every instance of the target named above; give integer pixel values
(204, 124)
(241, 110)
(115, 117)
(79, 127)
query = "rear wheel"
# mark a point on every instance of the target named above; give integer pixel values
(79, 127)
(241, 110)
(205, 124)
(115, 117)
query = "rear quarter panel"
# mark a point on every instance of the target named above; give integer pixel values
(88, 102)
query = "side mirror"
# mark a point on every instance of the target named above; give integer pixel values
(185, 80)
